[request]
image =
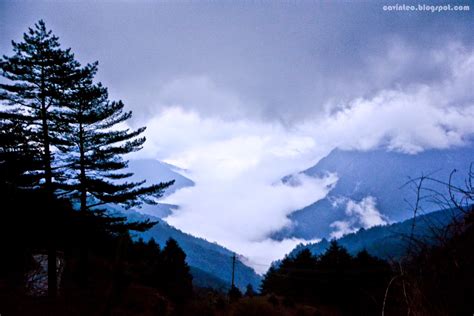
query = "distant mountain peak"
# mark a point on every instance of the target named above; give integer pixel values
(155, 171)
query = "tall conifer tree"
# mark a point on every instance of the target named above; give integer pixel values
(39, 74)
(70, 120)
(96, 146)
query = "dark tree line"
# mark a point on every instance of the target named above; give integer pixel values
(62, 162)
(164, 268)
(433, 277)
(356, 284)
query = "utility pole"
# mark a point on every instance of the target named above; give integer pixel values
(233, 270)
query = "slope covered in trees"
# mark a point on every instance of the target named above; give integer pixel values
(211, 262)
(431, 255)
(388, 241)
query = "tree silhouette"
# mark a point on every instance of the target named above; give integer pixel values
(38, 75)
(18, 157)
(53, 108)
(355, 284)
(177, 279)
(335, 256)
(249, 291)
(96, 146)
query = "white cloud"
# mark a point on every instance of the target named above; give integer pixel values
(241, 213)
(418, 117)
(259, 256)
(361, 214)
(342, 228)
(406, 122)
(237, 164)
(366, 212)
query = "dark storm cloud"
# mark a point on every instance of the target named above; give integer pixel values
(269, 60)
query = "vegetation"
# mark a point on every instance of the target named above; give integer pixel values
(388, 242)
(355, 284)
(61, 153)
(435, 276)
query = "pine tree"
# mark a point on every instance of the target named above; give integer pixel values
(249, 291)
(176, 278)
(17, 159)
(94, 151)
(39, 74)
(336, 256)
(96, 146)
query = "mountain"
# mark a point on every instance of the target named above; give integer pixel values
(387, 241)
(211, 264)
(155, 171)
(204, 279)
(378, 177)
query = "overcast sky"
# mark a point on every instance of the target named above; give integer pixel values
(241, 94)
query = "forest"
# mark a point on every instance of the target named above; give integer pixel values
(63, 160)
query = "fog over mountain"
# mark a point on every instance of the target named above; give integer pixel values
(244, 94)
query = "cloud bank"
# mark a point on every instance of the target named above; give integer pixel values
(238, 163)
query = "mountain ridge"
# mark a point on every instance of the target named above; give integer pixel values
(379, 174)
(155, 171)
(387, 241)
(204, 257)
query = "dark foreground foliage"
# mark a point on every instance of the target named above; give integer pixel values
(439, 279)
(122, 274)
(353, 284)
(61, 164)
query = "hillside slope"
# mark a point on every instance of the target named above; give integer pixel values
(154, 171)
(378, 175)
(211, 264)
(205, 258)
(387, 241)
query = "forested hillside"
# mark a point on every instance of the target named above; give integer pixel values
(377, 176)
(388, 241)
(211, 262)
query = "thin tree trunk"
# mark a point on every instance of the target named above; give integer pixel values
(84, 253)
(83, 169)
(52, 275)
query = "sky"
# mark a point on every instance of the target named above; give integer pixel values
(241, 94)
